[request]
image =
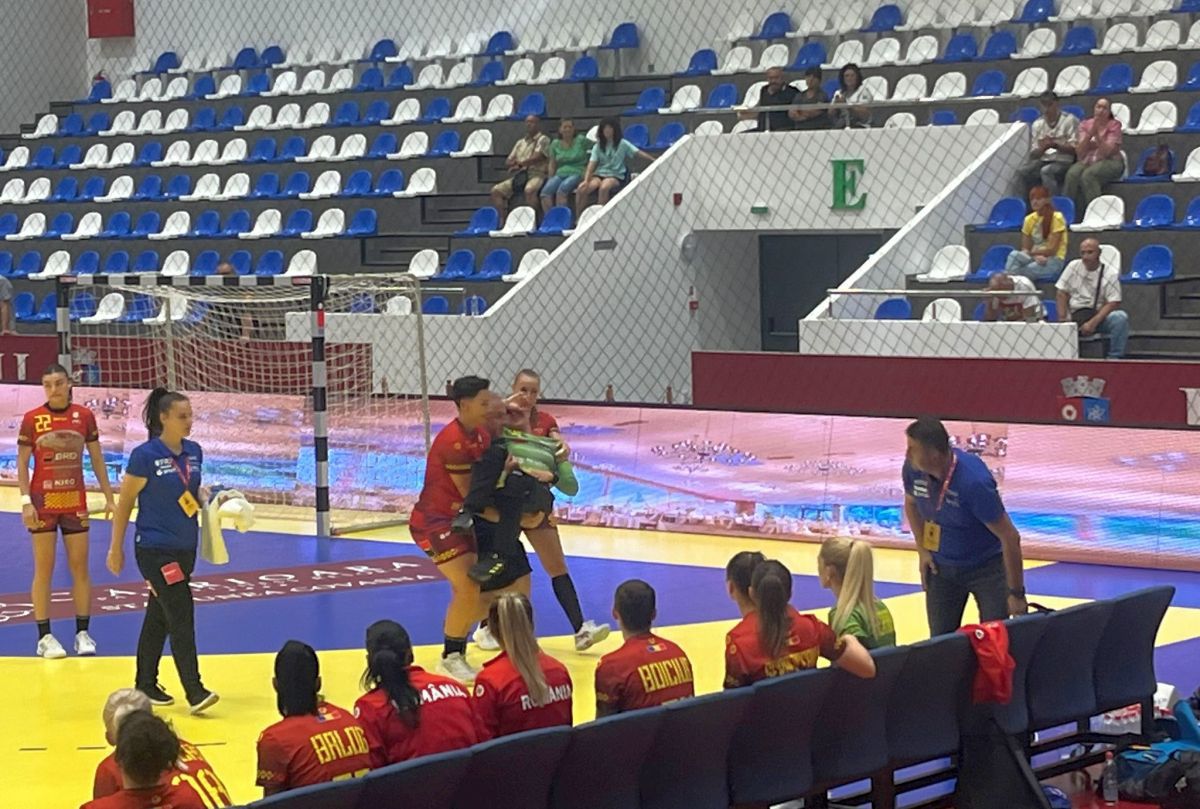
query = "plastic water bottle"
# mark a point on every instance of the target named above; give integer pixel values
(1108, 780)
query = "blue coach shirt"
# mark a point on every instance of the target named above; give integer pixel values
(161, 521)
(971, 502)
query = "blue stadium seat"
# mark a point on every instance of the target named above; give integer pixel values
(1187, 7)
(241, 262)
(149, 190)
(811, 54)
(147, 261)
(66, 191)
(301, 221)
(1026, 115)
(1035, 12)
(437, 109)
(1140, 176)
(723, 96)
(557, 220)
(1153, 264)
(429, 782)
(1116, 78)
(267, 187)
(137, 309)
(363, 303)
(83, 304)
(687, 765)
(346, 115)
(371, 80)
(147, 223)
(165, 63)
(234, 117)
(436, 305)
(60, 224)
(460, 264)
(935, 686)
(357, 184)
(1000, 45)
(638, 135)
(299, 183)
(343, 794)
(499, 776)
(1191, 217)
(702, 63)
(118, 226)
(203, 86)
(364, 223)
(71, 125)
(93, 187)
(400, 77)
(272, 55)
(43, 158)
(6, 264)
(46, 312)
(1023, 636)
(608, 751)
(771, 768)
(649, 102)
(1060, 677)
(960, 48)
(1051, 308)
(206, 226)
(269, 263)
(376, 113)
(668, 135)
(585, 69)
(1007, 214)
(473, 305)
(1192, 80)
(1078, 41)
(205, 120)
(100, 90)
(1154, 211)
(87, 264)
(943, 118)
(532, 104)
(885, 19)
(499, 44)
(150, 152)
(389, 183)
(776, 26)
(1124, 668)
(8, 224)
(246, 59)
(383, 50)
(237, 224)
(623, 37)
(448, 141)
(1192, 123)
(116, 263)
(30, 263)
(206, 263)
(24, 307)
(180, 184)
(489, 74)
(992, 262)
(1075, 110)
(483, 222)
(263, 151)
(384, 145)
(495, 266)
(293, 147)
(1066, 206)
(894, 309)
(989, 83)
(97, 123)
(69, 156)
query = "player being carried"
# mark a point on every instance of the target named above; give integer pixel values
(55, 435)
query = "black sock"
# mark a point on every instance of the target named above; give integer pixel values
(454, 646)
(82, 622)
(564, 591)
(43, 629)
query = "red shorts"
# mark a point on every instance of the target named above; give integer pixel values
(441, 544)
(70, 523)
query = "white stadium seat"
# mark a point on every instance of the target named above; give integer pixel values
(520, 221)
(951, 263)
(328, 184)
(1105, 212)
(331, 223)
(422, 182)
(424, 264)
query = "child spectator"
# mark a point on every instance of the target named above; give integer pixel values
(847, 567)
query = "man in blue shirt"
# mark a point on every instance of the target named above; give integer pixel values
(966, 542)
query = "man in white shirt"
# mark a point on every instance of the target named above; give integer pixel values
(1089, 293)
(1022, 305)
(1054, 135)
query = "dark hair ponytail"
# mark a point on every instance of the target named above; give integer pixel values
(296, 674)
(389, 654)
(771, 589)
(158, 404)
(741, 568)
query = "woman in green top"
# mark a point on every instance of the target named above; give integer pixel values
(568, 158)
(606, 170)
(847, 568)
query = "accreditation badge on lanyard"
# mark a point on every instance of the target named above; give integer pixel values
(931, 539)
(187, 501)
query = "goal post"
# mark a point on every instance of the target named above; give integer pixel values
(307, 391)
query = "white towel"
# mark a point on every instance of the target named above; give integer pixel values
(228, 504)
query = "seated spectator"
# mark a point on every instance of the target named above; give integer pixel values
(647, 670)
(523, 688)
(526, 163)
(122, 703)
(777, 93)
(813, 93)
(409, 712)
(607, 170)
(1089, 293)
(1043, 239)
(1054, 136)
(774, 639)
(6, 309)
(568, 159)
(847, 567)
(1098, 157)
(853, 96)
(315, 742)
(1023, 304)
(147, 753)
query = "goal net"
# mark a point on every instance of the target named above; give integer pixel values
(308, 392)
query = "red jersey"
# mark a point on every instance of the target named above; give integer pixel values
(446, 720)
(58, 439)
(453, 452)
(179, 795)
(746, 663)
(299, 751)
(503, 703)
(646, 671)
(191, 763)
(542, 423)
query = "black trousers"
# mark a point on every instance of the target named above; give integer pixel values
(170, 612)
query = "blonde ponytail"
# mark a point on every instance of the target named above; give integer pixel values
(854, 563)
(511, 619)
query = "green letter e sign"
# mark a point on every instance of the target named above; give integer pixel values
(847, 174)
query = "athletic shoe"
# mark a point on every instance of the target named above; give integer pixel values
(485, 640)
(590, 634)
(486, 569)
(157, 696)
(207, 700)
(49, 648)
(84, 645)
(456, 666)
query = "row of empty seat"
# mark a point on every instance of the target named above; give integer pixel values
(1156, 117)
(178, 262)
(522, 221)
(269, 224)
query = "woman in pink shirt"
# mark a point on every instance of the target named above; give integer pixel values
(1098, 158)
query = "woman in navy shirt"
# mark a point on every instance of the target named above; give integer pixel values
(163, 476)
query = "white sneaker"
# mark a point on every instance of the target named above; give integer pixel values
(590, 634)
(49, 648)
(456, 666)
(84, 645)
(485, 640)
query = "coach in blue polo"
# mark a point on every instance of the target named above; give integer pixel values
(967, 544)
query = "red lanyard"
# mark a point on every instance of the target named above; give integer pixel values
(946, 484)
(185, 473)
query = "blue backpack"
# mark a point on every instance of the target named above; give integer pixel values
(1153, 773)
